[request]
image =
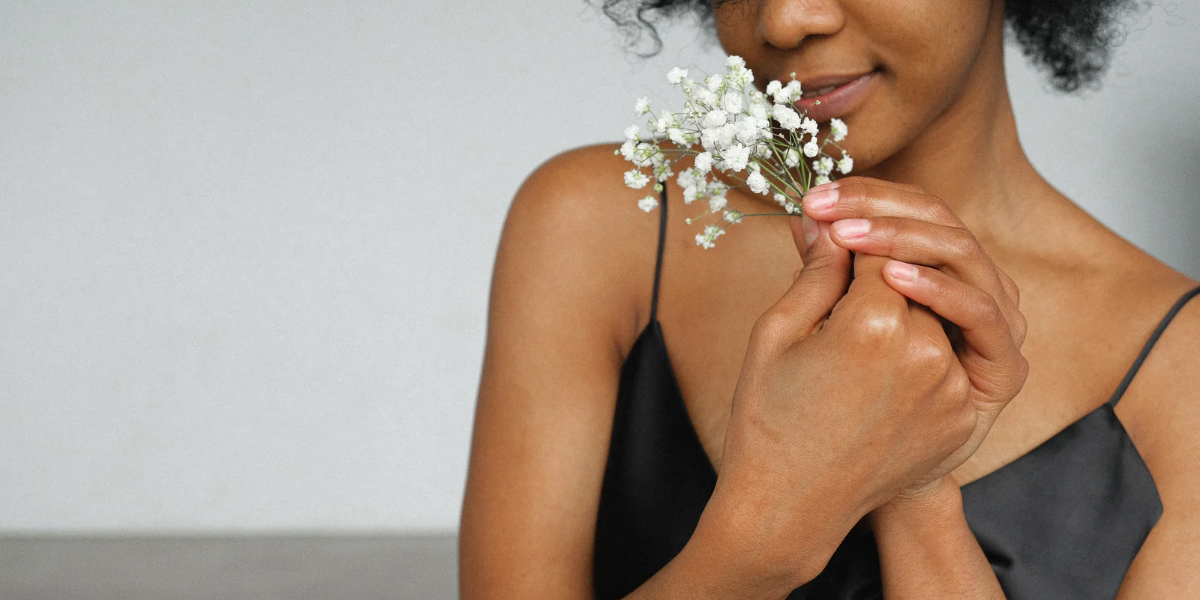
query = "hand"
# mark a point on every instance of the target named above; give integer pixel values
(953, 276)
(845, 397)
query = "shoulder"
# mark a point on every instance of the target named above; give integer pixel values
(575, 242)
(1161, 412)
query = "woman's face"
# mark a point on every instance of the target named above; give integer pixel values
(902, 68)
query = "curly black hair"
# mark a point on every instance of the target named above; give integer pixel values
(1070, 40)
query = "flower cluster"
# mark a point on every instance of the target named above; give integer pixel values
(757, 140)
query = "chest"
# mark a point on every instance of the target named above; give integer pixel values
(706, 322)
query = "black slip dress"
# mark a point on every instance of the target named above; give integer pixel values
(1062, 522)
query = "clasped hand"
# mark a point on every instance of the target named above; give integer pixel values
(939, 264)
(852, 394)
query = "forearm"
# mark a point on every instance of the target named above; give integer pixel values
(927, 551)
(730, 556)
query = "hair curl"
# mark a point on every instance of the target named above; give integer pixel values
(1070, 40)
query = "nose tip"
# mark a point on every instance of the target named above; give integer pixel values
(786, 23)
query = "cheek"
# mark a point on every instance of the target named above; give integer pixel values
(928, 46)
(927, 50)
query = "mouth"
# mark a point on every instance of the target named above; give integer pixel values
(831, 96)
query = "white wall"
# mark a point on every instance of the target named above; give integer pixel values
(245, 247)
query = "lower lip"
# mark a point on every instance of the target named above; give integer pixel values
(837, 102)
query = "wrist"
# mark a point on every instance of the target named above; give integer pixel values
(936, 503)
(777, 551)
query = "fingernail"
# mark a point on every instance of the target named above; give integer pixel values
(810, 230)
(819, 199)
(849, 228)
(901, 271)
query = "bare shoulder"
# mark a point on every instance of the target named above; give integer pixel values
(1161, 411)
(573, 270)
(575, 228)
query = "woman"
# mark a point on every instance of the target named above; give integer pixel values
(756, 421)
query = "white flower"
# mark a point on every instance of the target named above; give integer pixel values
(793, 89)
(823, 165)
(787, 93)
(643, 106)
(781, 199)
(763, 151)
(703, 162)
(736, 156)
(758, 110)
(821, 180)
(714, 82)
(791, 158)
(715, 118)
(735, 62)
(627, 150)
(666, 120)
(758, 184)
(747, 131)
(690, 193)
(791, 208)
(662, 171)
(645, 154)
(686, 178)
(732, 102)
(648, 203)
(846, 164)
(681, 137)
(711, 233)
(717, 188)
(774, 87)
(717, 204)
(787, 118)
(725, 135)
(809, 126)
(676, 75)
(631, 133)
(811, 149)
(704, 97)
(636, 179)
(837, 129)
(709, 138)
(733, 216)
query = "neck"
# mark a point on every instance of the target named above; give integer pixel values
(971, 158)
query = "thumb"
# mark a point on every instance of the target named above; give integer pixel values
(823, 279)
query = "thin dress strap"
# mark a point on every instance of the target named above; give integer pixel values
(1137, 364)
(662, 236)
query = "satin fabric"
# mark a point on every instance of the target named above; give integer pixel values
(1064, 521)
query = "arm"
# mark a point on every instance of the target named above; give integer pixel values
(1161, 412)
(572, 282)
(927, 551)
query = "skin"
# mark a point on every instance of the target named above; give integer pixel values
(1033, 281)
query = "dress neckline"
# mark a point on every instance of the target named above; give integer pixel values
(654, 328)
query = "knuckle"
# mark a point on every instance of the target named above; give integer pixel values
(990, 309)
(875, 322)
(963, 244)
(1022, 328)
(933, 357)
(774, 328)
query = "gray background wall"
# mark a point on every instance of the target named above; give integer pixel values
(245, 246)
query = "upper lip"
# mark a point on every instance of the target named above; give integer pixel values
(808, 84)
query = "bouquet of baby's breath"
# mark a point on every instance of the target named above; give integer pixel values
(732, 122)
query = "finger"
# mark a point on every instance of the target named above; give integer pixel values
(821, 283)
(860, 197)
(953, 250)
(870, 287)
(974, 311)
